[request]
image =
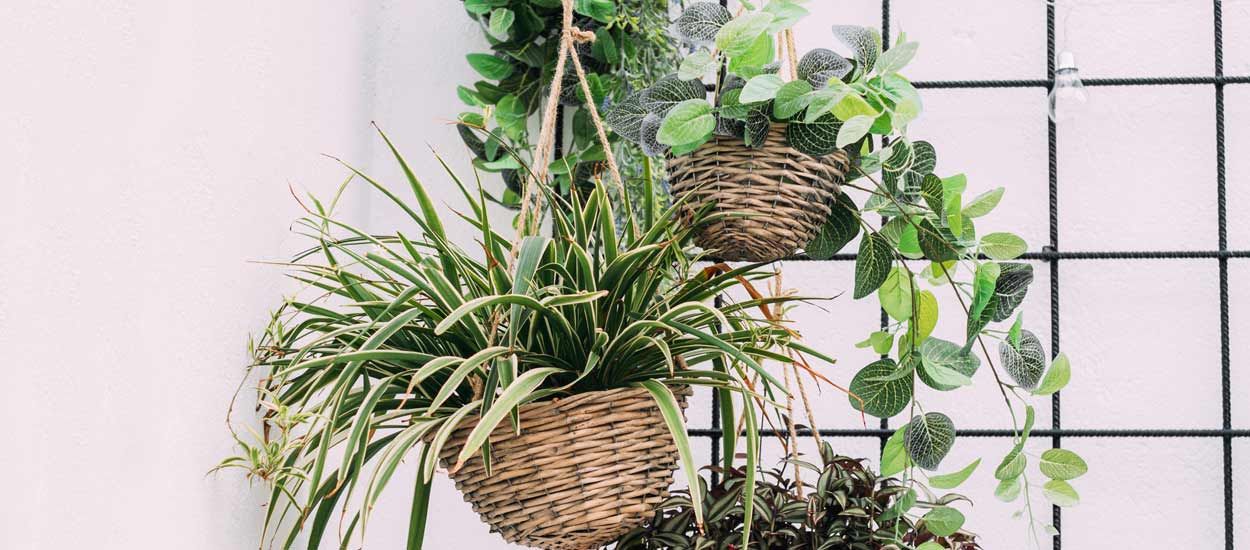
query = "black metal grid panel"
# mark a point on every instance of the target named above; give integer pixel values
(1052, 255)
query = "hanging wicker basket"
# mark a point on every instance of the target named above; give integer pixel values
(771, 200)
(585, 470)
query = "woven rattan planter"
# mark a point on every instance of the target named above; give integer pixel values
(584, 470)
(774, 198)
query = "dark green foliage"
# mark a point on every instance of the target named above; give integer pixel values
(844, 506)
(516, 73)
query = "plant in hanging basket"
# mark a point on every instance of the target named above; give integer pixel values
(629, 49)
(842, 504)
(545, 374)
(771, 146)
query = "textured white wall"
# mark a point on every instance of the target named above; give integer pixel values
(148, 148)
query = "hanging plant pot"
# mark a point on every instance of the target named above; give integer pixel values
(768, 202)
(584, 470)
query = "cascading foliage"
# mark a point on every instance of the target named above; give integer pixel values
(401, 338)
(928, 245)
(630, 47)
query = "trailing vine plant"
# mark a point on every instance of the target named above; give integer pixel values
(630, 47)
(926, 245)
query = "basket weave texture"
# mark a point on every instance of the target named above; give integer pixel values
(585, 469)
(771, 200)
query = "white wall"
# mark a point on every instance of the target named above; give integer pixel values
(148, 147)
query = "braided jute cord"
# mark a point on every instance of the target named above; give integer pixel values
(531, 202)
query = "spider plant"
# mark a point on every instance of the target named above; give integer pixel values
(409, 336)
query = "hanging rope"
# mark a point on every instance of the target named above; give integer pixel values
(531, 201)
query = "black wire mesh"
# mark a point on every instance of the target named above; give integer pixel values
(1052, 255)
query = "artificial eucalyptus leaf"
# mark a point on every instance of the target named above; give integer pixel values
(690, 121)
(1057, 376)
(1009, 489)
(840, 228)
(954, 479)
(946, 365)
(984, 203)
(883, 396)
(943, 521)
(817, 138)
(696, 65)
(667, 92)
(1062, 464)
(893, 454)
(1003, 246)
(1060, 493)
(864, 42)
(929, 437)
(895, 294)
(872, 265)
(1025, 362)
(853, 130)
(737, 36)
(761, 88)
(700, 22)
(821, 65)
(489, 66)
(791, 98)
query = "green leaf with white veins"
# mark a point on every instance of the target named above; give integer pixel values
(761, 88)
(929, 437)
(500, 22)
(696, 65)
(701, 21)
(882, 397)
(791, 98)
(667, 92)
(863, 41)
(690, 121)
(1003, 246)
(737, 36)
(840, 228)
(854, 130)
(1025, 362)
(872, 265)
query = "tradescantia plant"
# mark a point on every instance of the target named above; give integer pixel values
(846, 507)
(630, 48)
(928, 243)
(410, 335)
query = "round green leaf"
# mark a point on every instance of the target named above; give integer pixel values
(1061, 493)
(946, 365)
(690, 121)
(761, 88)
(1009, 489)
(791, 98)
(1003, 246)
(884, 396)
(895, 294)
(943, 521)
(1062, 464)
(1056, 377)
(489, 66)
